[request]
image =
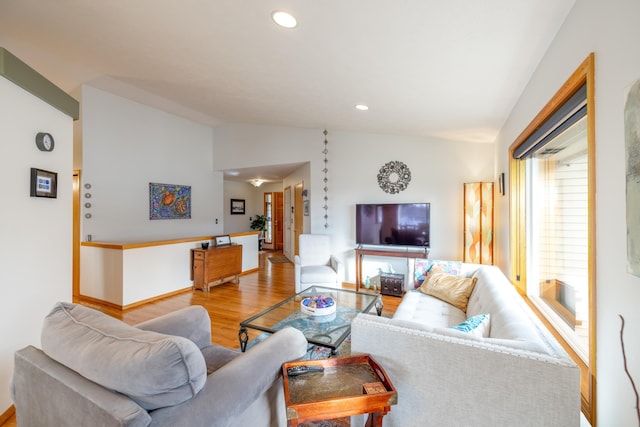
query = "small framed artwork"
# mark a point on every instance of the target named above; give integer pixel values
(44, 183)
(223, 240)
(237, 206)
(305, 206)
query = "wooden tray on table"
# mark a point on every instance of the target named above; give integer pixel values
(348, 386)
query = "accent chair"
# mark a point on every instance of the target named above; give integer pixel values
(315, 265)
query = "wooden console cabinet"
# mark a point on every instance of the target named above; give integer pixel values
(216, 265)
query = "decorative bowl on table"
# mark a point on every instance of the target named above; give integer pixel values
(318, 305)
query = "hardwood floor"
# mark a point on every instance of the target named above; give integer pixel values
(228, 304)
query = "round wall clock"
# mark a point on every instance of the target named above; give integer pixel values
(394, 177)
(44, 141)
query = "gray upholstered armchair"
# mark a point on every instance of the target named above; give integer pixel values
(96, 370)
(315, 265)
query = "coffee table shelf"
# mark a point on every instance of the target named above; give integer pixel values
(327, 331)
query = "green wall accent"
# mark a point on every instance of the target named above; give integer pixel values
(16, 71)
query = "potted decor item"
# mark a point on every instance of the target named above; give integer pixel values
(259, 223)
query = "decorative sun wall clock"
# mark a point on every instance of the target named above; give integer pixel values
(394, 177)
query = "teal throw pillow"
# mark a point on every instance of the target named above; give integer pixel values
(478, 325)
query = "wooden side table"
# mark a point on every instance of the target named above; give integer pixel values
(339, 391)
(215, 266)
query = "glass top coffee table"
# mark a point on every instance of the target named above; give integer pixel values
(327, 330)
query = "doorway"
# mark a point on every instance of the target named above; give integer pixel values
(288, 219)
(274, 210)
(76, 236)
(278, 211)
(298, 225)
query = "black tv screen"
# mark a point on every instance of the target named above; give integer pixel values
(398, 224)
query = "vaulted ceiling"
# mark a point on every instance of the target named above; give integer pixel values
(446, 69)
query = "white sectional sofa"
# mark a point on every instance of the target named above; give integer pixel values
(515, 375)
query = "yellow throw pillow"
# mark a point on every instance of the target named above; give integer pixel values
(452, 289)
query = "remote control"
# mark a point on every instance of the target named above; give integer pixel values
(303, 369)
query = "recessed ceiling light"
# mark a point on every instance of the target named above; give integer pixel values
(362, 107)
(284, 19)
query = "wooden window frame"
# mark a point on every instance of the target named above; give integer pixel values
(269, 214)
(517, 237)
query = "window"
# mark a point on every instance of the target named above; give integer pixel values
(558, 258)
(268, 212)
(552, 200)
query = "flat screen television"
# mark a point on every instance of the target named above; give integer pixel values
(395, 224)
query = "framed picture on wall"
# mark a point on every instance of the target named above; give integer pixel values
(169, 201)
(44, 183)
(237, 206)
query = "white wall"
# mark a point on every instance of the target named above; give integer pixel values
(35, 242)
(267, 187)
(253, 204)
(302, 175)
(127, 145)
(239, 145)
(439, 170)
(130, 275)
(610, 30)
(250, 246)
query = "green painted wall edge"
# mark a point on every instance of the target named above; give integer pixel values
(16, 71)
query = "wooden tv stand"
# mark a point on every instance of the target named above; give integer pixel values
(361, 252)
